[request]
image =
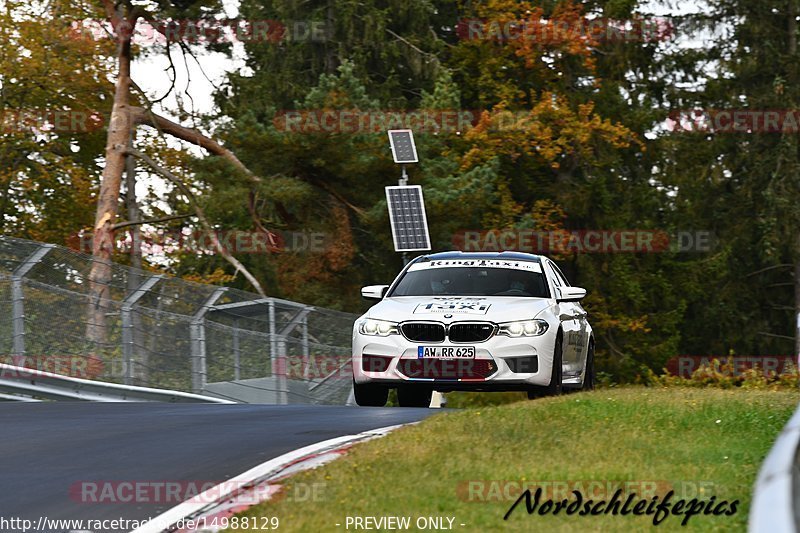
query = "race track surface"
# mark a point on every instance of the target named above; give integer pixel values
(50, 451)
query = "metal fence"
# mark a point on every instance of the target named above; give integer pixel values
(168, 333)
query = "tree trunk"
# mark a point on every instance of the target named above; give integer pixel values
(119, 132)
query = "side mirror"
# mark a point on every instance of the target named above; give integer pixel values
(571, 294)
(374, 292)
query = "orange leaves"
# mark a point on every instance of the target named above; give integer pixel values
(548, 215)
(530, 33)
(218, 277)
(300, 273)
(550, 131)
(602, 320)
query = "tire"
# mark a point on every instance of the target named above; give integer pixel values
(589, 377)
(555, 386)
(370, 395)
(414, 397)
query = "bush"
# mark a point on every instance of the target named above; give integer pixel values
(724, 375)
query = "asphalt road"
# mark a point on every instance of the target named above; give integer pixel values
(51, 452)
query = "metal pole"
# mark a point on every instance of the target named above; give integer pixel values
(128, 330)
(237, 367)
(402, 183)
(197, 341)
(272, 340)
(18, 316)
(283, 385)
(18, 297)
(304, 333)
(306, 350)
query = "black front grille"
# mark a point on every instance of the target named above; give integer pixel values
(448, 369)
(423, 331)
(473, 332)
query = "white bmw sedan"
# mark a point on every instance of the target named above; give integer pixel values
(456, 321)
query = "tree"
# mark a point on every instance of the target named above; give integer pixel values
(741, 184)
(50, 134)
(124, 16)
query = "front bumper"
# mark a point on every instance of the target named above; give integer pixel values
(501, 363)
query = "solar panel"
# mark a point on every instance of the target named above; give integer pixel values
(407, 215)
(403, 148)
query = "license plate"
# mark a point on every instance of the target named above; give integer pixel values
(446, 352)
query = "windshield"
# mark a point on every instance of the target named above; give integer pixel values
(473, 281)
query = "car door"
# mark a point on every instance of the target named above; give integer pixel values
(569, 324)
(581, 327)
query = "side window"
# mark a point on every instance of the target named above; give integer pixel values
(560, 276)
(553, 276)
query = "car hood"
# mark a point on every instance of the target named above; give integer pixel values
(458, 309)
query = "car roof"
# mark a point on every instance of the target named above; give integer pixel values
(517, 256)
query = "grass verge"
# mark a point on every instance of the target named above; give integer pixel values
(469, 465)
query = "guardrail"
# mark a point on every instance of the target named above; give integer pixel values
(776, 497)
(16, 398)
(29, 383)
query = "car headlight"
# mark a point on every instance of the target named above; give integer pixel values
(524, 328)
(378, 328)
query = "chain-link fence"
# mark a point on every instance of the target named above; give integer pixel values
(168, 333)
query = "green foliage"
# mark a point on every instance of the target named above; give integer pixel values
(587, 150)
(725, 375)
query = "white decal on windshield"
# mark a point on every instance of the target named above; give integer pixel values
(529, 266)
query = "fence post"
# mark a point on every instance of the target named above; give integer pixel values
(272, 339)
(237, 356)
(304, 330)
(126, 314)
(197, 341)
(18, 297)
(283, 384)
(300, 319)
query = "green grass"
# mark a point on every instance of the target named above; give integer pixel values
(679, 437)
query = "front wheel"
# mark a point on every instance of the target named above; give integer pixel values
(555, 386)
(414, 397)
(370, 394)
